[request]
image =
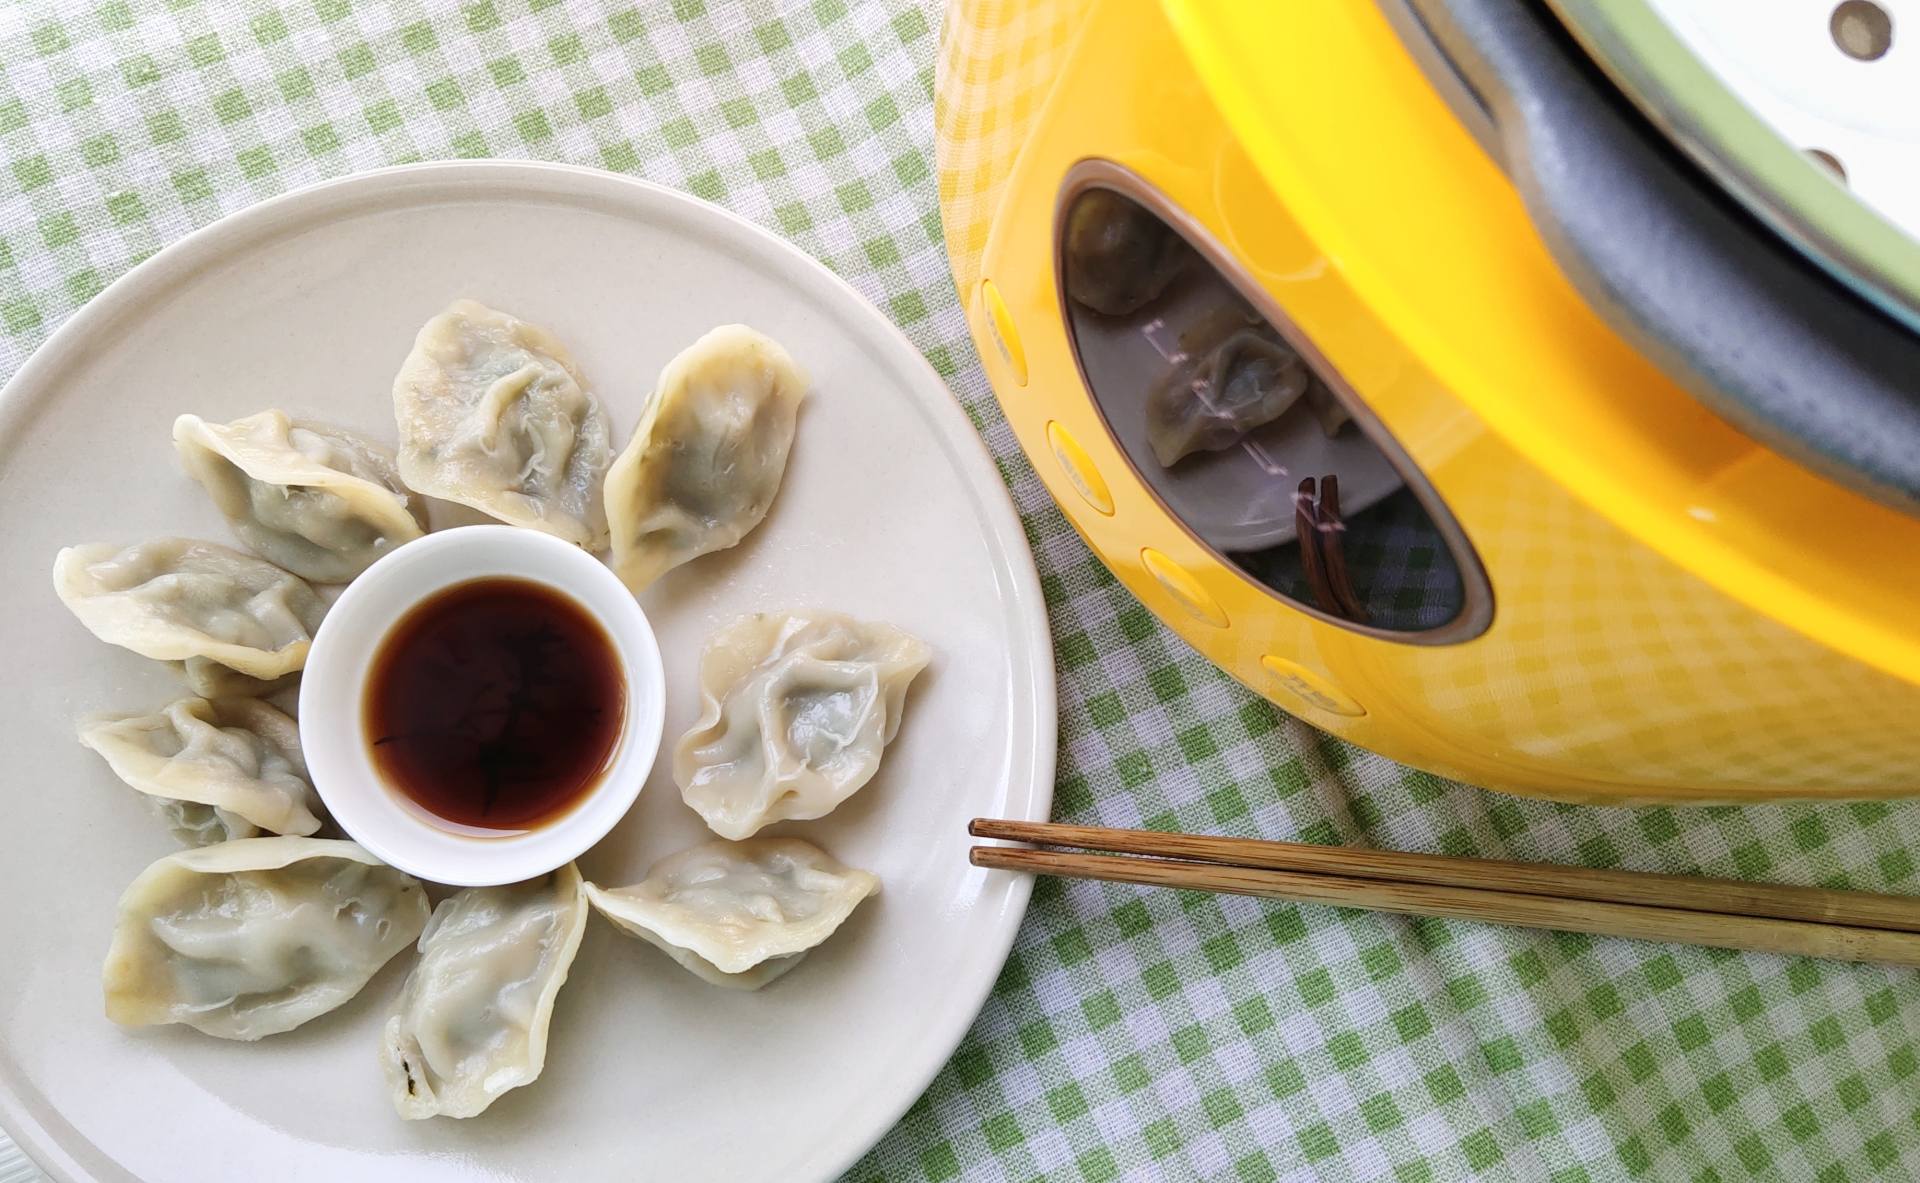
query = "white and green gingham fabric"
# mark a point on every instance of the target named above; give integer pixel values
(1135, 1034)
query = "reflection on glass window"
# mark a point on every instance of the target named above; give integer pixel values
(1238, 434)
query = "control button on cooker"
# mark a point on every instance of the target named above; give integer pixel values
(1184, 588)
(1310, 689)
(1081, 474)
(1000, 328)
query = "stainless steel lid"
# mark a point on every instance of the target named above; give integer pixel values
(1806, 111)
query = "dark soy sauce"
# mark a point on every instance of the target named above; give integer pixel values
(495, 704)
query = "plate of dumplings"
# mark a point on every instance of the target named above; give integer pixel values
(764, 963)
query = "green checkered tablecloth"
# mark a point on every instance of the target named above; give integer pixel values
(1134, 1034)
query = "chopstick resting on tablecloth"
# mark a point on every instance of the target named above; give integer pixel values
(1729, 914)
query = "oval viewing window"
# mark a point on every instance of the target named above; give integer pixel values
(1244, 434)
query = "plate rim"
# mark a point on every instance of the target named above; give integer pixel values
(205, 244)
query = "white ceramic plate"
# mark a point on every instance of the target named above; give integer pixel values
(891, 509)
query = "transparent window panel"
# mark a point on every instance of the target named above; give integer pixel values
(1248, 440)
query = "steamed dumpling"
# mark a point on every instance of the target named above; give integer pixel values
(1328, 411)
(704, 464)
(321, 501)
(238, 755)
(494, 415)
(1119, 256)
(1213, 400)
(195, 824)
(254, 937)
(210, 679)
(472, 1020)
(738, 914)
(175, 599)
(796, 708)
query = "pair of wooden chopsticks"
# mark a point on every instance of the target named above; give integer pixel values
(1729, 914)
(1323, 556)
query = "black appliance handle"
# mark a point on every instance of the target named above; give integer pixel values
(1733, 312)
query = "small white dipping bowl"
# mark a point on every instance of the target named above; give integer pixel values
(339, 751)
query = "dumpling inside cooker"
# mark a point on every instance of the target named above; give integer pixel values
(1119, 256)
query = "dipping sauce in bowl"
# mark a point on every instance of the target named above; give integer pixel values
(495, 704)
(482, 705)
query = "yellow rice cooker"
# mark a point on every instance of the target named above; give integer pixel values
(1504, 388)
